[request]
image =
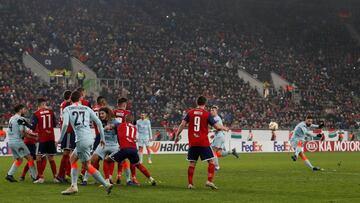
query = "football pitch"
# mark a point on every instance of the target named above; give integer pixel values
(271, 177)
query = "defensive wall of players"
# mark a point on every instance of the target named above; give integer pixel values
(239, 139)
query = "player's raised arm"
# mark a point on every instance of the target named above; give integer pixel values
(99, 125)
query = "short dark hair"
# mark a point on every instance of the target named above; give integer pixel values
(129, 118)
(201, 101)
(75, 96)
(41, 100)
(67, 94)
(100, 99)
(122, 100)
(309, 116)
(18, 107)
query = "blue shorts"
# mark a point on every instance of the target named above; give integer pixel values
(103, 151)
(32, 149)
(68, 142)
(47, 148)
(19, 150)
(126, 153)
(83, 150)
(205, 153)
(218, 142)
(96, 142)
(143, 142)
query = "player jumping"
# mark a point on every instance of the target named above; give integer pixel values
(199, 145)
(144, 136)
(19, 150)
(80, 117)
(297, 141)
(218, 144)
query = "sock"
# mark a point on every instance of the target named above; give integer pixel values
(83, 171)
(218, 153)
(111, 168)
(96, 174)
(74, 174)
(32, 169)
(96, 165)
(211, 172)
(86, 176)
(53, 167)
(43, 166)
(25, 170)
(39, 166)
(143, 170)
(68, 167)
(120, 168)
(148, 153)
(307, 163)
(133, 170)
(14, 167)
(297, 152)
(141, 156)
(63, 166)
(106, 169)
(216, 161)
(191, 170)
(128, 174)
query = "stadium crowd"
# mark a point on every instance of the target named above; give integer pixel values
(171, 54)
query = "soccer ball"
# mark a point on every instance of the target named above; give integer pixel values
(273, 126)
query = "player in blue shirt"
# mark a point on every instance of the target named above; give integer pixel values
(218, 144)
(144, 136)
(16, 132)
(80, 117)
(297, 141)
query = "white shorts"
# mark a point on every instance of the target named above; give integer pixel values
(103, 151)
(143, 142)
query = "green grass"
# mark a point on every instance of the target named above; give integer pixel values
(252, 178)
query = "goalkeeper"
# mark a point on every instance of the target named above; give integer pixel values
(297, 141)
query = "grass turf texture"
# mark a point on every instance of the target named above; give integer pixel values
(271, 177)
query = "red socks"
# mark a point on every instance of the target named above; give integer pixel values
(25, 170)
(40, 165)
(143, 170)
(53, 167)
(120, 168)
(64, 164)
(211, 172)
(191, 170)
(106, 169)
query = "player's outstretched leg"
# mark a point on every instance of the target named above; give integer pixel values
(98, 177)
(191, 171)
(211, 174)
(308, 163)
(10, 174)
(74, 176)
(144, 171)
